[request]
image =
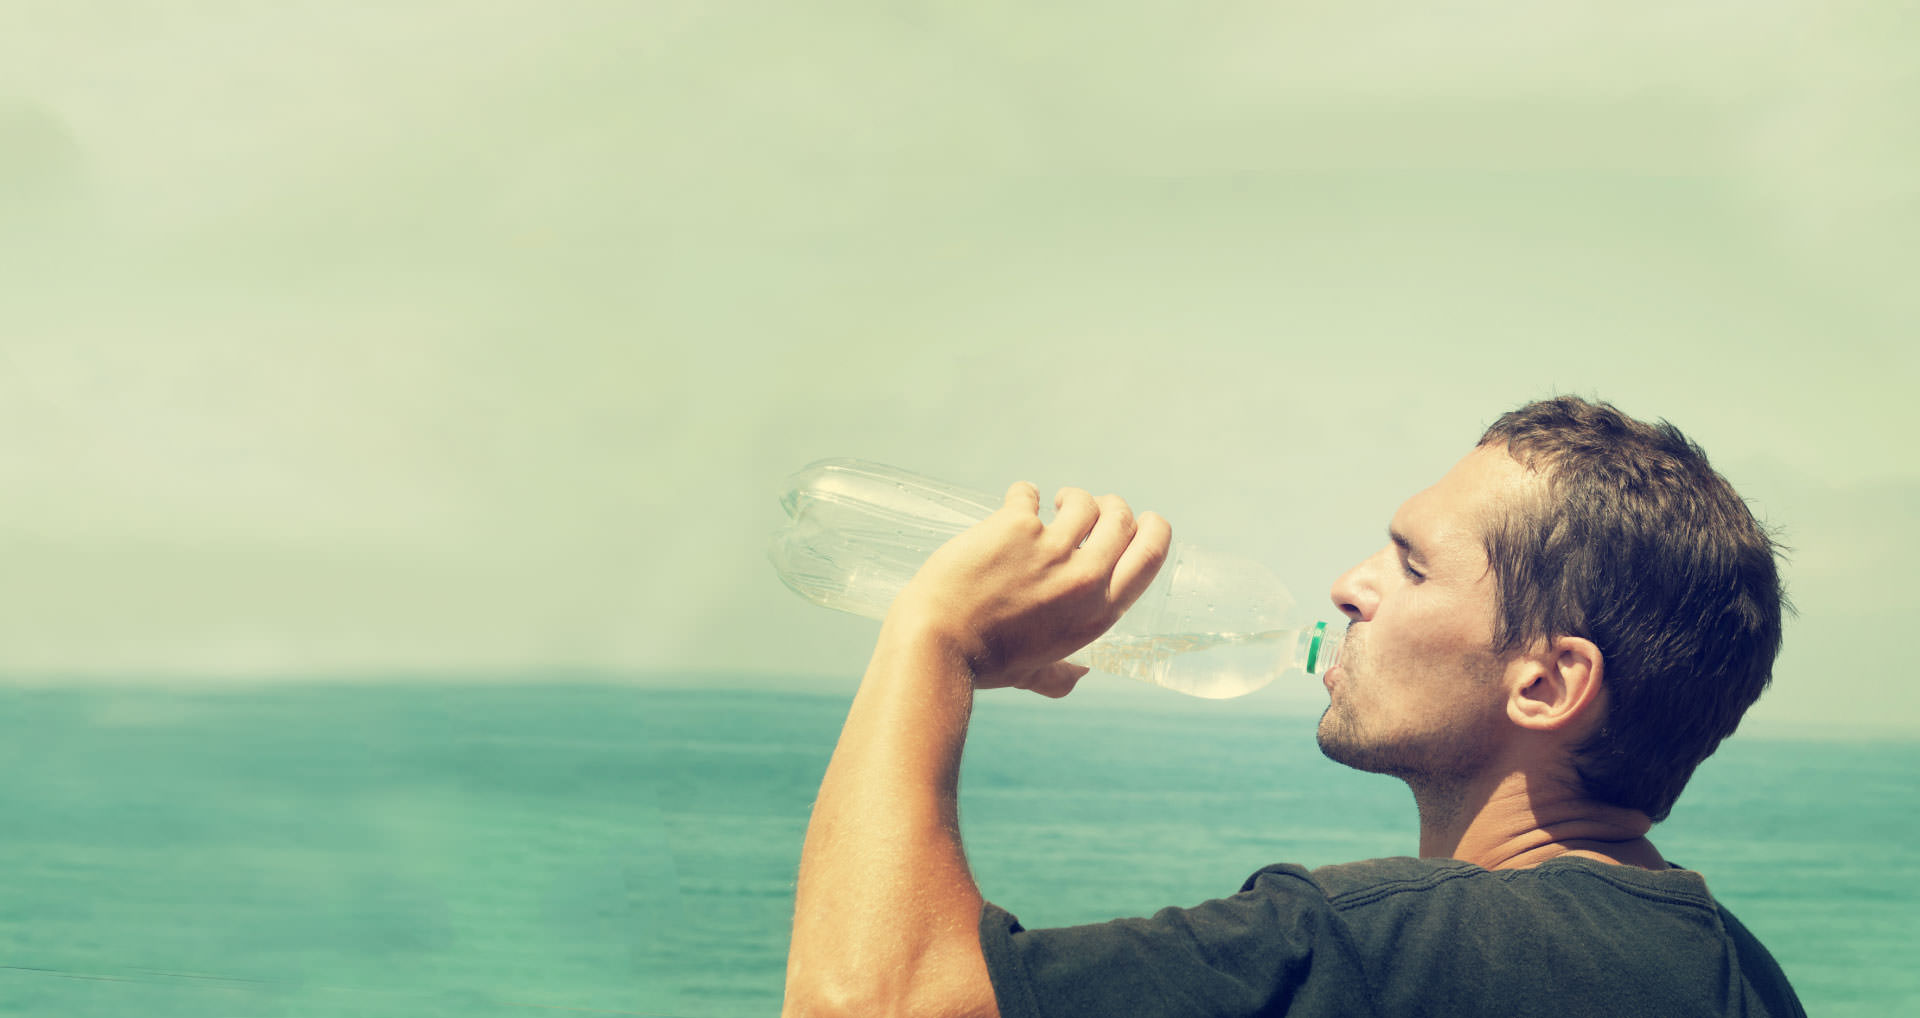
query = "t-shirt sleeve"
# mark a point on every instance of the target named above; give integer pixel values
(1276, 947)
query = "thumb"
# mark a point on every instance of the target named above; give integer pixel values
(1055, 680)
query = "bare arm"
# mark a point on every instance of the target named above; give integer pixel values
(886, 915)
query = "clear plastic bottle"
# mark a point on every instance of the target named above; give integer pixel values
(1209, 625)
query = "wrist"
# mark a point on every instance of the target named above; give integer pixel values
(928, 636)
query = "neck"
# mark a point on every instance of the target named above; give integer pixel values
(1517, 819)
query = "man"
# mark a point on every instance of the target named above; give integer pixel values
(1554, 636)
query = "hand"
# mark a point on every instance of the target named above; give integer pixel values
(1013, 596)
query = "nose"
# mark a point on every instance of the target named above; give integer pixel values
(1355, 593)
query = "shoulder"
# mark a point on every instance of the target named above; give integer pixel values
(1579, 906)
(1416, 924)
(1391, 936)
(1372, 880)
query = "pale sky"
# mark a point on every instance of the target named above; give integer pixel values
(430, 339)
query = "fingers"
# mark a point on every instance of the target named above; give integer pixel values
(1075, 514)
(1110, 534)
(1060, 584)
(1130, 550)
(1142, 559)
(1022, 495)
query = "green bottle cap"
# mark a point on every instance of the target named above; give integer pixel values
(1313, 649)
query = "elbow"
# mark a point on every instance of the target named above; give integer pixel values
(879, 995)
(812, 1000)
(834, 990)
(817, 999)
(937, 977)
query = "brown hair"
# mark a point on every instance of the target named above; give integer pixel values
(1637, 544)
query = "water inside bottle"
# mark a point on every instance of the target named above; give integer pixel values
(1145, 657)
(1215, 665)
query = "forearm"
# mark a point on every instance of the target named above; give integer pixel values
(886, 910)
(886, 915)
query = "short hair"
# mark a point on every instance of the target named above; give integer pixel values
(1635, 543)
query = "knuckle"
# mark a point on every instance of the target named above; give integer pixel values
(1086, 579)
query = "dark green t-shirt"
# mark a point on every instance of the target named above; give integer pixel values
(1404, 937)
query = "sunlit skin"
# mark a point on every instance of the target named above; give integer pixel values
(1484, 741)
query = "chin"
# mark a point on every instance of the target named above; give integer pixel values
(1337, 738)
(1342, 741)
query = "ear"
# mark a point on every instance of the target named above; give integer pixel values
(1557, 687)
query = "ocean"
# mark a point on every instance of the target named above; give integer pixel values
(422, 849)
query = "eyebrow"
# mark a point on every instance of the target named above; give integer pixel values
(1400, 540)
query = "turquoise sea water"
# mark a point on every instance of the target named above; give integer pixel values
(422, 850)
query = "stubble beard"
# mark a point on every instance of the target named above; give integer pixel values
(1432, 758)
(1420, 759)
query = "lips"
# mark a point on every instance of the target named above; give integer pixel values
(1349, 646)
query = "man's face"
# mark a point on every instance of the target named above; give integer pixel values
(1417, 692)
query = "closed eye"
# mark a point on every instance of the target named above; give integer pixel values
(1406, 555)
